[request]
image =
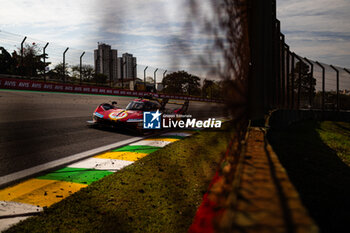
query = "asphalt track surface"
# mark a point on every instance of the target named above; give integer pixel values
(38, 127)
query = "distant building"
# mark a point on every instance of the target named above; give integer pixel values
(106, 61)
(128, 66)
(120, 68)
(115, 68)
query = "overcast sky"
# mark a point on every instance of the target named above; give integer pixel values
(153, 29)
(319, 29)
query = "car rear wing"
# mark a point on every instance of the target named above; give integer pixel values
(182, 109)
(164, 101)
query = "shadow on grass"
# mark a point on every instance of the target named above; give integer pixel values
(321, 178)
(343, 127)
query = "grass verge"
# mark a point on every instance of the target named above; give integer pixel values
(159, 193)
(316, 156)
(337, 136)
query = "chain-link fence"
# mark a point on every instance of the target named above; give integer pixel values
(301, 83)
(307, 84)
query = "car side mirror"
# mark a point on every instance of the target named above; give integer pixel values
(114, 103)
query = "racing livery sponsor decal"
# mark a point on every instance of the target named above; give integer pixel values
(118, 115)
(98, 115)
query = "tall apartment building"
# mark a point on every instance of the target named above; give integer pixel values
(106, 61)
(128, 66)
(115, 68)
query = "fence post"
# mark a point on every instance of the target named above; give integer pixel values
(323, 84)
(44, 56)
(155, 80)
(262, 77)
(144, 77)
(346, 70)
(22, 53)
(283, 69)
(299, 80)
(134, 70)
(293, 72)
(337, 72)
(311, 77)
(81, 66)
(123, 73)
(64, 65)
(277, 85)
(288, 69)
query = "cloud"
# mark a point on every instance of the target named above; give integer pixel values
(318, 29)
(152, 30)
(159, 32)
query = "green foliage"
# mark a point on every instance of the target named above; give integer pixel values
(212, 89)
(8, 64)
(31, 64)
(306, 80)
(100, 78)
(181, 82)
(87, 71)
(336, 135)
(57, 72)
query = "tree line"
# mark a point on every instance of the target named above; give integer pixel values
(30, 62)
(183, 83)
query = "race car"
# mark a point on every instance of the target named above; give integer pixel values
(131, 117)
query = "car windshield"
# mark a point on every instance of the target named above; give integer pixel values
(135, 105)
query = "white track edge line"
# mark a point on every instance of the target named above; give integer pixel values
(72, 158)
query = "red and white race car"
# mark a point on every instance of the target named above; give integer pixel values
(132, 116)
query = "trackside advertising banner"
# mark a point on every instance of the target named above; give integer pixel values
(19, 84)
